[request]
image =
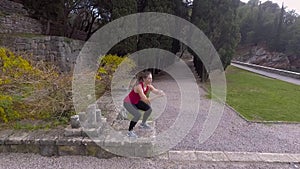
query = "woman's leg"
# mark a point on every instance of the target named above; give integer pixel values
(145, 107)
(132, 109)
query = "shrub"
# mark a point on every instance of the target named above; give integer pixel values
(32, 90)
(35, 90)
(109, 64)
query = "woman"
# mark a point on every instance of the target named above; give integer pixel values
(137, 100)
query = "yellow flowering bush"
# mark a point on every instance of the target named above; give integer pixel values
(109, 64)
(35, 90)
(32, 90)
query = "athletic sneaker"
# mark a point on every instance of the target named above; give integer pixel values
(145, 126)
(131, 134)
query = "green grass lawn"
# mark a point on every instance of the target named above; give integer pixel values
(259, 98)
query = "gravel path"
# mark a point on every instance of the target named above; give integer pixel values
(32, 161)
(233, 133)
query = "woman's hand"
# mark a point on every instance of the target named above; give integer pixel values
(161, 93)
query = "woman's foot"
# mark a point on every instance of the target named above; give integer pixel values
(131, 134)
(145, 126)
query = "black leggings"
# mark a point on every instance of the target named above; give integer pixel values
(134, 110)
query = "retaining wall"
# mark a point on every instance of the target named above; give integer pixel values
(59, 50)
(271, 70)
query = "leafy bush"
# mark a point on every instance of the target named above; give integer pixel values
(32, 90)
(109, 64)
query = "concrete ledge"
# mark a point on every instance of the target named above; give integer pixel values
(282, 72)
(54, 143)
(232, 156)
(51, 143)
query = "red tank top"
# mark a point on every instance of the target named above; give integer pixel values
(133, 97)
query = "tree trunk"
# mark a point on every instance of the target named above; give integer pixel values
(48, 27)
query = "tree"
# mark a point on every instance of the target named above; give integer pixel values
(293, 38)
(217, 19)
(120, 9)
(269, 24)
(49, 11)
(71, 15)
(144, 41)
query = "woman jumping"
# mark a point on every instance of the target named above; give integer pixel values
(137, 100)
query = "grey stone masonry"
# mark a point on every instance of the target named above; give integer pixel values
(19, 24)
(49, 143)
(9, 7)
(59, 50)
(15, 19)
(55, 143)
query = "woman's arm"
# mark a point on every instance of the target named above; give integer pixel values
(156, 91)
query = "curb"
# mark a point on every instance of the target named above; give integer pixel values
(225, 156)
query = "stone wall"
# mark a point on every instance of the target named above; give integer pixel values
(19, 24)
(15, 19)
(62, 51)
(10, 7)
(282, 72)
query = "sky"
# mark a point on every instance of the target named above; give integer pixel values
(290, 4)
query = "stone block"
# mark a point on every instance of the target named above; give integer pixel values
(117, 139)
(98, 116)
(30, 138)
(48, 140)
(37, 136)
(275, 157)
(50, 137)
(118, 143)
(117, 151)
(71, 150)
(82, 117)
(211, 156)
(98, 151)
(102, 153)
(99, 141)
(16, 138)
(76, 141)
(4, 134)
(91, 116)
(296, 157)
(73, 132)
(4, 148)
(24, 148)
(242, 156)
(74, 120)
(92, 150)
(182, 155)
(48, 150)
(164, 156)
(90, 132)
(143, 148)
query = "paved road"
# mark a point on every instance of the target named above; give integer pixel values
(268, 74)
(32, 161)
